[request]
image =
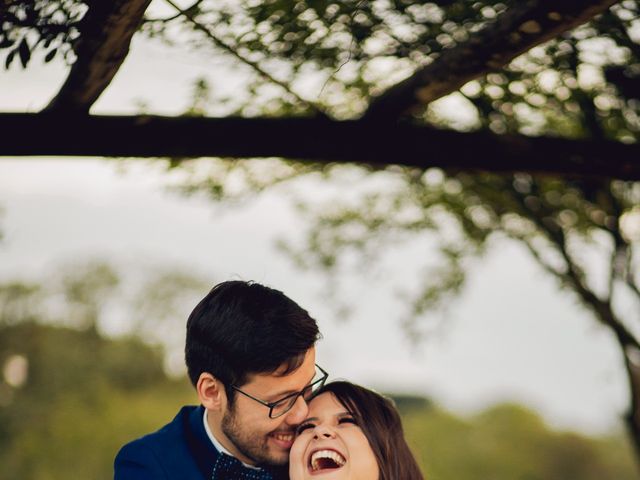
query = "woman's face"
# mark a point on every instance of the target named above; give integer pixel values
(329, 445)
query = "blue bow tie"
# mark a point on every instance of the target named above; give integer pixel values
(230, 468)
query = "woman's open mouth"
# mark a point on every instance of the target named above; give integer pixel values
(325, 460)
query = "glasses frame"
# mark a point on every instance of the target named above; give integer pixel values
(274, 404)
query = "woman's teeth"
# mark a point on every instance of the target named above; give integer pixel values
(326, 459)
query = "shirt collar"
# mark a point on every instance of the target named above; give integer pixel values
(217, 444)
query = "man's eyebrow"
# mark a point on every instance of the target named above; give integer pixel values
(286, 393)
(281, 395)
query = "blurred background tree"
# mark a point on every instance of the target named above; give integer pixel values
(70, 391)
(583, 230)
(390, 63)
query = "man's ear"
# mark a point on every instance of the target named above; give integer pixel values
(211, 392)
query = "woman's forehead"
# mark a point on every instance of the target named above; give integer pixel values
(326, 404)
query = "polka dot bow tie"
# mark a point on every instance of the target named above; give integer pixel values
(230, 468)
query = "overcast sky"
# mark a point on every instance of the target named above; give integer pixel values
(512, 335)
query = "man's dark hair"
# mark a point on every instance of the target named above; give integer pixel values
(243, 328)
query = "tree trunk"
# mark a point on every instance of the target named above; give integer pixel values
(632, 418)
(106, 33)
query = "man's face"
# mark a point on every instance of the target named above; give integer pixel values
(258, 439)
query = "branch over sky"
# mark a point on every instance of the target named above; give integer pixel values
(314, 140)
(106, 32)
(519, 29)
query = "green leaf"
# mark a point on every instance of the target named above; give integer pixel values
(50, 55)
(25, 52)
(9, 59)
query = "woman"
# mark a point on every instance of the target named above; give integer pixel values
(351, 433)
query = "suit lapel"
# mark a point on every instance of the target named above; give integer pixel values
(203, 451)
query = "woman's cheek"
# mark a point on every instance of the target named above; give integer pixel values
(296, 459)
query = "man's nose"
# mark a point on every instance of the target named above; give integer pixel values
(298, 412)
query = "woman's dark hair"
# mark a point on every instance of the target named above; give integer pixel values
(243, 328)
(378, 418)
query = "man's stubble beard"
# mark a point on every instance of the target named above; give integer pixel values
(252, 445)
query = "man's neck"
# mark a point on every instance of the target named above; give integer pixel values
(220, 440)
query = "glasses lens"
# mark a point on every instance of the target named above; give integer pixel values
(283, 406)
(311, 390)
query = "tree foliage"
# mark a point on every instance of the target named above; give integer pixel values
(48, 26)
(71, 396)
(509, 441)
(339, 59)
(581, 85)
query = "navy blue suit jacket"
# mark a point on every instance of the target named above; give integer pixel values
(181, 450)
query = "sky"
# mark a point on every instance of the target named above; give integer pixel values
(512, 335)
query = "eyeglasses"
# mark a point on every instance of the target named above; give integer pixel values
(283, 405)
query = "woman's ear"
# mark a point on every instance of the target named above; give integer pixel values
(211, 392)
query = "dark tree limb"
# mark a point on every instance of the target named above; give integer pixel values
(105, 35)
(178, 14)
(315, 140)
(574, 276)
(632, 416)
(4, 5)
(525, 25)
(628, 343)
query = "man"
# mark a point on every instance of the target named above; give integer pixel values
(250, 353)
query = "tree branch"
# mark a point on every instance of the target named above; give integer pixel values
(179, 13)
(255, 65)
(4, 5)
(523, 26)
(633, 377)
(537, 256)
(620, 252)
(105, 35)
(602, 309)
(315, 140)
(629, 278)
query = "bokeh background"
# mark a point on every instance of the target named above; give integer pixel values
(506, 376)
